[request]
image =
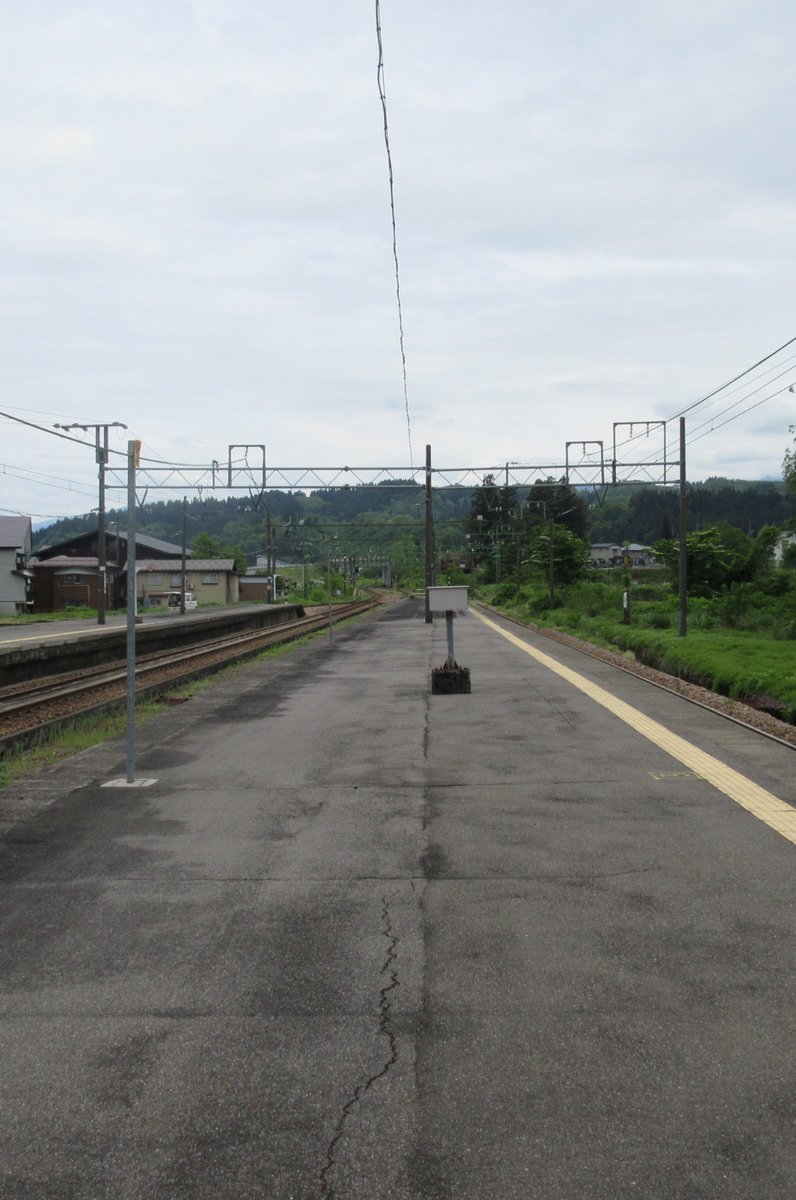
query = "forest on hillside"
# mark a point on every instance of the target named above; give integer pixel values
(646, 513)
(377, 518)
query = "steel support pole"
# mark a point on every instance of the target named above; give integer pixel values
(329, 589)
(102, 458)
(429, 537)
(184, 554)
(132, 455)
(682, 574)
(451, 662)
(551, 566)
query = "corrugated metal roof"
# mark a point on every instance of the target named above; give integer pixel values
(142, 541)
(145, 541)
(192, 564)
(65, 560)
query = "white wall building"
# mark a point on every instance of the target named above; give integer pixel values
(15, 585)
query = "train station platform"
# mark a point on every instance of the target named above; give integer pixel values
(359, 941)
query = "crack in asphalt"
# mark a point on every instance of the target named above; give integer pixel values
(387, 972)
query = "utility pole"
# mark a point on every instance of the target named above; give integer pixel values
(329, 586)
(429, 537)
(682, 573)
(626, 598)
(101, 453)
(271, 556)
(182, 564)
(133, 460)
(551, 563)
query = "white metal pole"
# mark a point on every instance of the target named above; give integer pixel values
(132, 454)
(329, 586)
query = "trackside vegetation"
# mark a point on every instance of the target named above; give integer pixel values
(741, 638)
(742, 663)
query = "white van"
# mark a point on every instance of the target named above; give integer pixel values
(175, 599)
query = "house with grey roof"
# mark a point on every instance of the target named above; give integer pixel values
(67, 573)
(211, 580)
(15, 578)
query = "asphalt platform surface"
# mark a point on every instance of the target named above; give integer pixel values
(365, 942)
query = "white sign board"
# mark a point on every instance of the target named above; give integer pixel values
(447, 599)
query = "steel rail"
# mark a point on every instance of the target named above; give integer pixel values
(38, 691)
(223, 652)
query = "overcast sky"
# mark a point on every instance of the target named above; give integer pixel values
(596, 223)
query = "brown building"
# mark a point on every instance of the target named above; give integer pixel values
(77, 558)
(64, 582)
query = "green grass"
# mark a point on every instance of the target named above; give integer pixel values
(82, 734)
(738, 663)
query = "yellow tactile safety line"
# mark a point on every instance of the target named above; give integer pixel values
(756, 800)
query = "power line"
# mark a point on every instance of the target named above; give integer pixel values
(16, 512)
(42, 480)
(743, 413)
(44, 429)
(730, 382)
(383, 98)
(715, 422)
(742, 400)
(40, 412)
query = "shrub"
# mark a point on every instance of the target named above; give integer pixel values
(506, 594)
(593, 597)
(778, 582)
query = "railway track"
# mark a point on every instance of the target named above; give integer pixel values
(32, 709)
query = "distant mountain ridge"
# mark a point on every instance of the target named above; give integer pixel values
(635, 512)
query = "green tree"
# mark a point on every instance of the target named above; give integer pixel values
(557, 501)
(239, 558)
(493, 526)
(789, 469)
(205, 546)
(710, 561)
(762, 556)
(720, 557)
(569, 558)
(485, 511)
(406, 561)
(667, 532)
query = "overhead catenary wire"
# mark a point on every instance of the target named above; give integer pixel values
(715, 417)
(383, 98)
(714, 426)
(714, 422)
(643, 434)
(730, 382)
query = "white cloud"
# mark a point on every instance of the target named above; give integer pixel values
(594, 206)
